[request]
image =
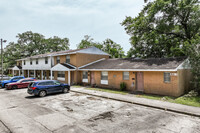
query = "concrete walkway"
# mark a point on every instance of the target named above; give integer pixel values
(130, 98)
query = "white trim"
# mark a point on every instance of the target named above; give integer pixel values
(185, 62)
(104, 82)
(162, 70)
(85, 80)
(91, 63)
(61, 78)
(15, 68)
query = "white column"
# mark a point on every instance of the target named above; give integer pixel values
(51, 74)
(22, 72)
(28, 73)
(19, 73)
(34, 73)
(69, 77)
(42, 74)
(13, 73)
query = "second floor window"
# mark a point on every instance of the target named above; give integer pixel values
(31, 62)
(46, 60)
(24, 62)
(58, 59)
(36, 61)
(68, 59)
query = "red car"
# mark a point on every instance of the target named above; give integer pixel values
(23, 83)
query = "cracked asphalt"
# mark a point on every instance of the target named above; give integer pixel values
(79, 113)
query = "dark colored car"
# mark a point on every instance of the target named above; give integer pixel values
(23, 83)
(43, 87)
(11, 80)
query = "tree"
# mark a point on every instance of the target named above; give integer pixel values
(88, 42)
(194, 58)
(162, 28)
(29, 44)
(112, 48)
(108, 46)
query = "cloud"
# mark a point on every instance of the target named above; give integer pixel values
(68, 18)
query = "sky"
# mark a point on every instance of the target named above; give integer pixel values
(73, 19)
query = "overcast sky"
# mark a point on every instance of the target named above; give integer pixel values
(68, 18)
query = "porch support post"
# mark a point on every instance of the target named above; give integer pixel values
(19, 73)
(28, 73)
(51, 74)
(23, 72)
(34, 73)
(69, 77)
(13, 73)
(42, 74)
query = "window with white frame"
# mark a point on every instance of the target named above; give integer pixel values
(104, 78)
(24, 62)
(85, 76)
(125, 75)
(58, 59)
(46, 60)
(61, 74)
(167, 77)
(68, 59)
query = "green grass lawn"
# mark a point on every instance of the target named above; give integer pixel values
(186, 100)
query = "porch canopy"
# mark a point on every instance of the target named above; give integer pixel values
(17, 68)
(63, 67)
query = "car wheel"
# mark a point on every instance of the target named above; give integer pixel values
(65, 90)
(14, 87)
(42, 93)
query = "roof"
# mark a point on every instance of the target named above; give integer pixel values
(90, 50)
(68, 65)
(136, 64)
(63, 67)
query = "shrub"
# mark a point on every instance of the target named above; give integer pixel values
(122, 86)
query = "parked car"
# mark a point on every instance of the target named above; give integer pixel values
(22, 83)
(43, 87)
(11, 80)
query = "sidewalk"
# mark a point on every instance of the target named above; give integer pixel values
(173, 107)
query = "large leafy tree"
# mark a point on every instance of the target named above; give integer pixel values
(115, 50)
(88, 42)
(29, 44)
(109, 46)
(162, 28)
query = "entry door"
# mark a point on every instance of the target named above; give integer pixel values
(92, 78)
(140, 81)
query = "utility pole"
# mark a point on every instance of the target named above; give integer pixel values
(2, 58)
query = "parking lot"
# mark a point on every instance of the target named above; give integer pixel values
(79, 113)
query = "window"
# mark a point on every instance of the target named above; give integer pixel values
(61, 74)
(68, 59)
(125, 75)
(58, 59)
(46, 60)
(36, 61)
(50, 83)
(167, 78)
(31, 62)
(85, 75)
(104, 75)
(24, 62)
(104, 78)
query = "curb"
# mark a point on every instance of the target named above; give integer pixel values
(146, 105)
